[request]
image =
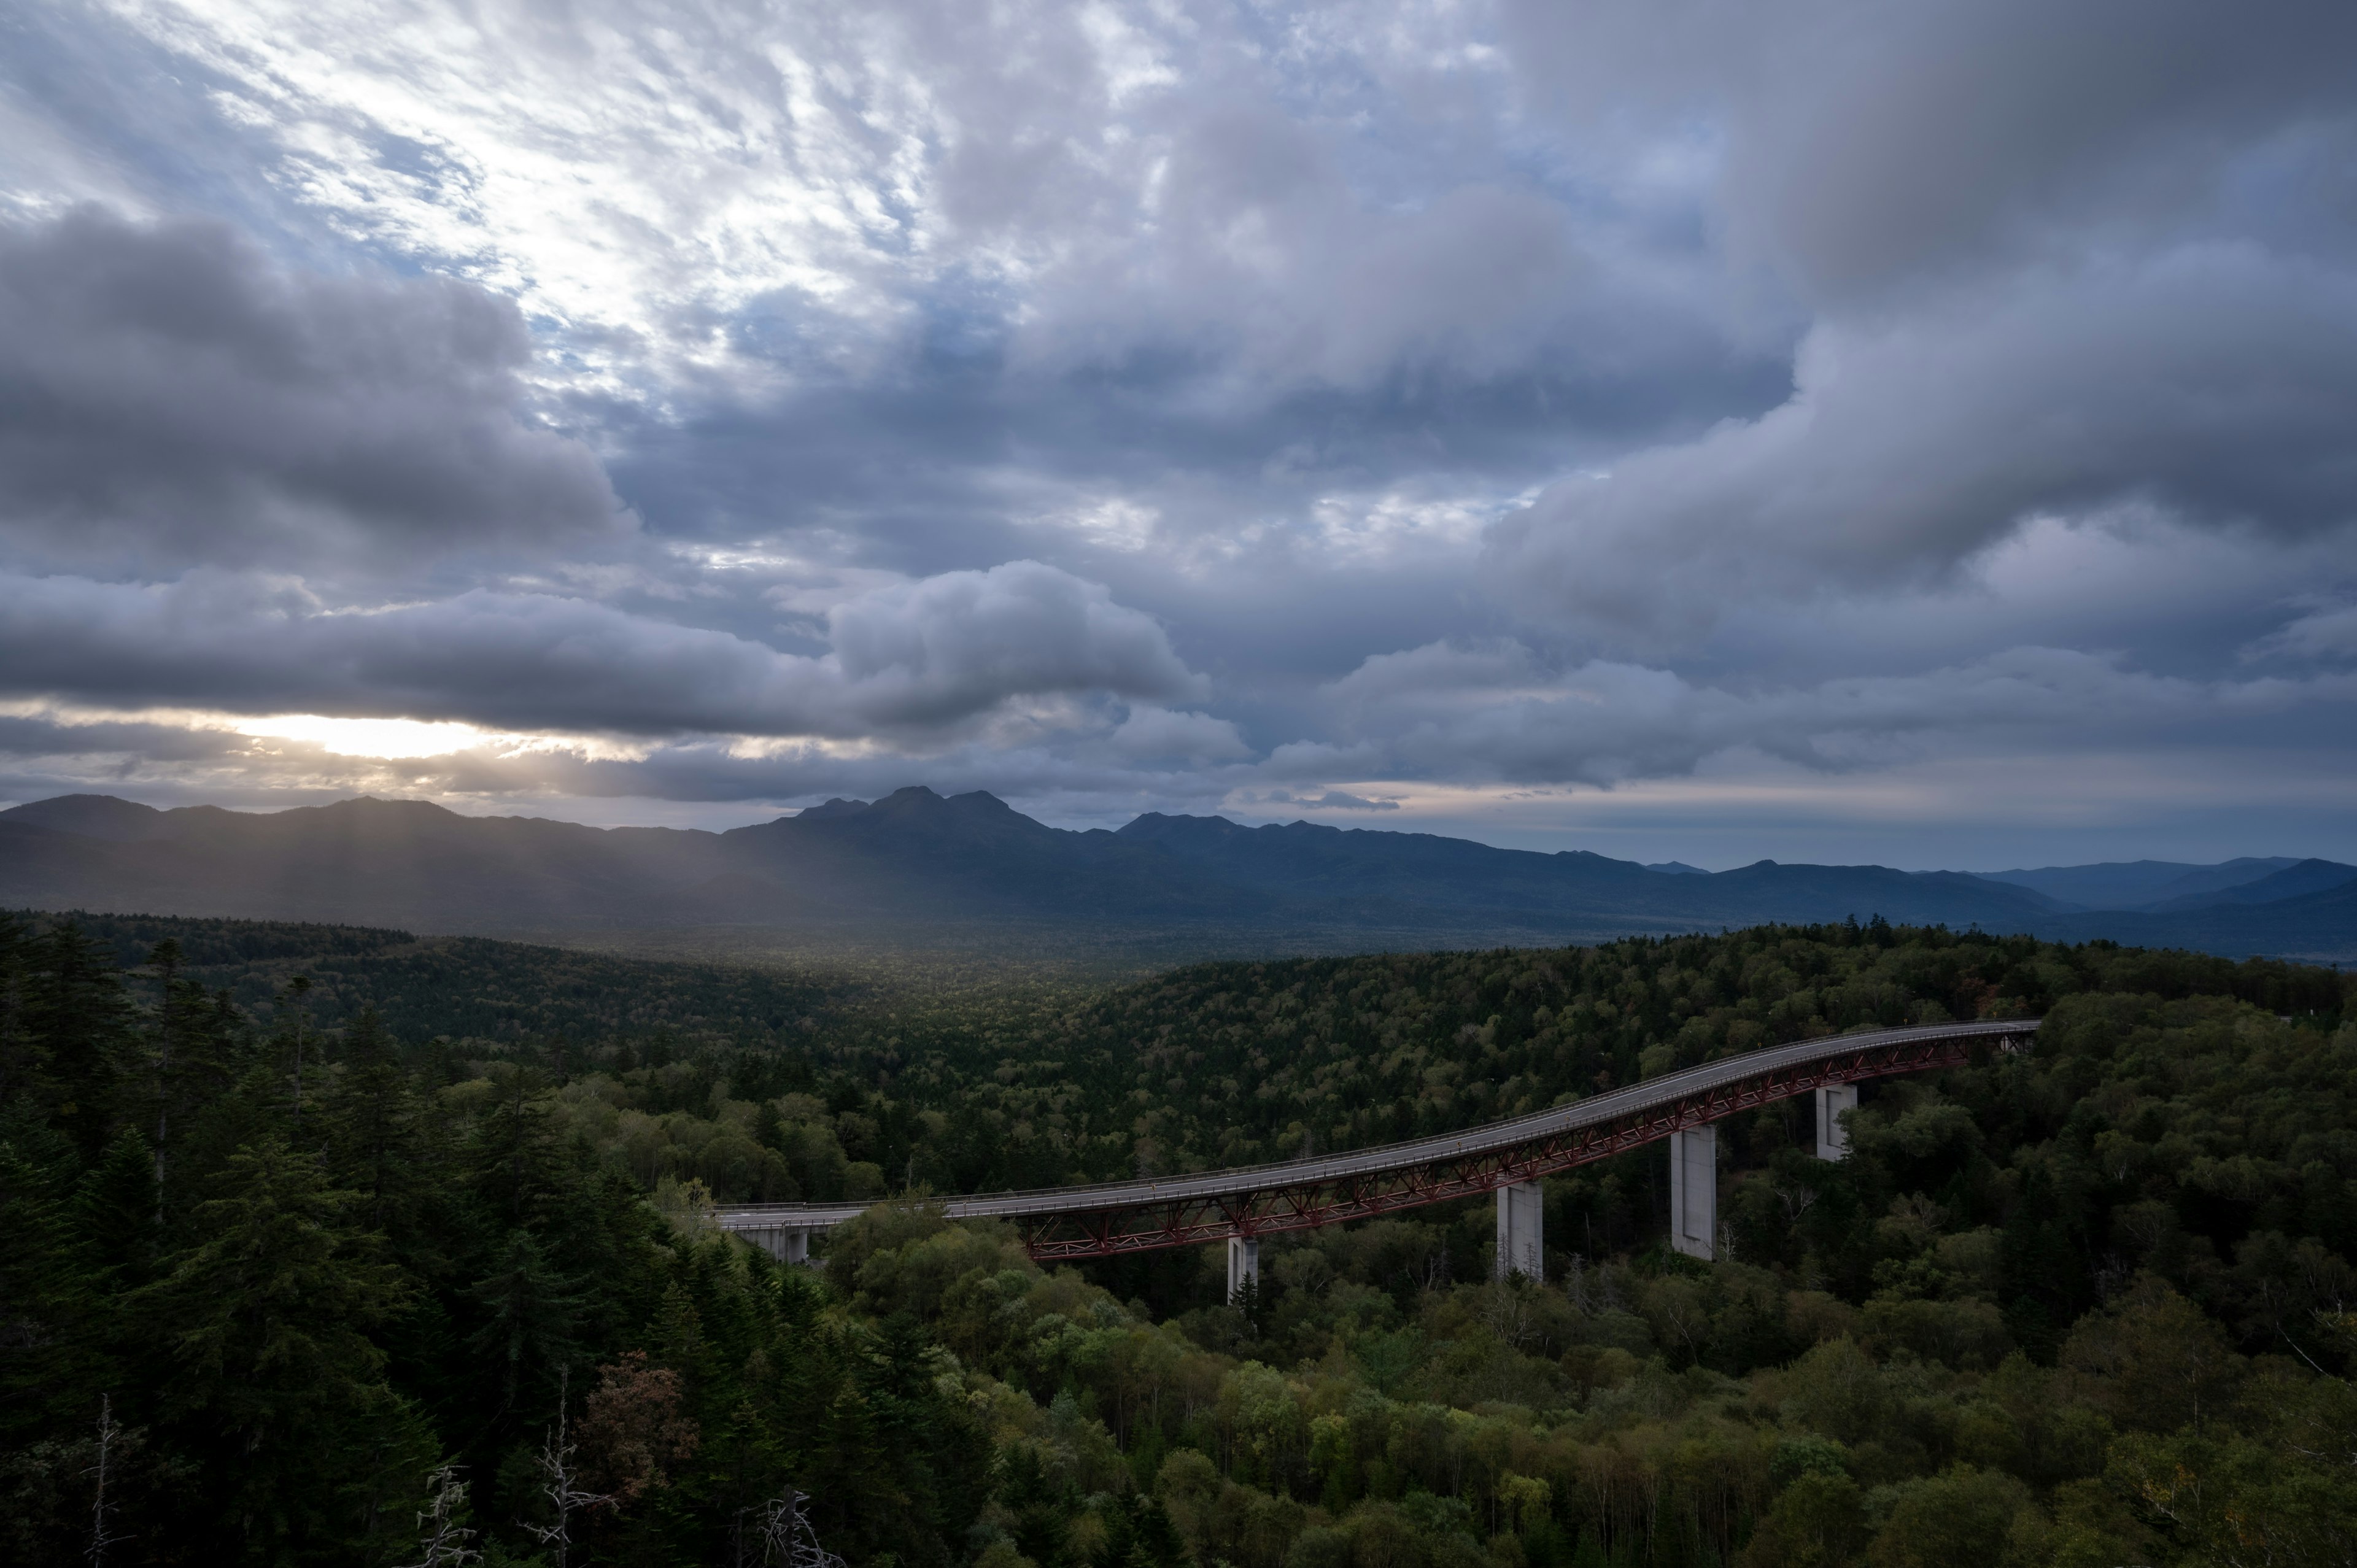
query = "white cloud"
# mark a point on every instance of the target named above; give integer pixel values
(1150, 733)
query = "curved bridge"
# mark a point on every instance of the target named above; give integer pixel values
(1113, 1217)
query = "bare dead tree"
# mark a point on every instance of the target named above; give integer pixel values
(560, 1482)
(1796, 1197)
(445, 1540)
(101, 1537)
(787, 1536)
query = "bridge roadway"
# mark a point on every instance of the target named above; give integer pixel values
(1110, 1218)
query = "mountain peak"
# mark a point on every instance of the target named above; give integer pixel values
(91, 816)
(378, 806)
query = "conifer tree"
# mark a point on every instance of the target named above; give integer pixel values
(272, 1375)
(530, 1319)
(23, 1058)
(77, 1024)
(372, 1114)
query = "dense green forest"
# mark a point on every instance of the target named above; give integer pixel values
(326, 1246)
(475, 989)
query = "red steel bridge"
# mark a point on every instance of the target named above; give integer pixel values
(1244, 1203)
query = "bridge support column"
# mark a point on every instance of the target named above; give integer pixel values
(787, 1243)
(1693, 1192)
(1832, 1138)
(1243, 1263)
(1521, 1234)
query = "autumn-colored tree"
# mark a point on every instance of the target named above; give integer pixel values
(635, 1430)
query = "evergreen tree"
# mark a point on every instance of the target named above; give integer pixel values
(271, 1376)
(49, 1294)
(193, 1055)
(24, 1057)
(78, 1025)
(376, 1144)
(513, 1165)
(113, 1214)
(530, 1324)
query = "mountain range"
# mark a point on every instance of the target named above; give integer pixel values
(915, 863)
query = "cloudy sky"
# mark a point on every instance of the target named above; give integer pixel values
(1921, 432)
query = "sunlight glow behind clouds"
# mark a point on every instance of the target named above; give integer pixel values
(1510, 411)
(632, 172)
(386, 739)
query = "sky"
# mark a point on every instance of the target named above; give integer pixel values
(1921, 433)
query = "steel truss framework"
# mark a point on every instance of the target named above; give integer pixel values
(1138, 1217)
(1111, 1232)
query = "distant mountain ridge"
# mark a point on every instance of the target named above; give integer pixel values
(2152, 884)
(970, 862)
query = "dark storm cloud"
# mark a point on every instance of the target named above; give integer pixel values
(168, 397)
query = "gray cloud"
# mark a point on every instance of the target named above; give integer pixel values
(1498, 711)
(914, 658)
(168, 397)
(1866, 145)
(2081, 262)
(2214, 385)
(2323, 634)
(1117, 408)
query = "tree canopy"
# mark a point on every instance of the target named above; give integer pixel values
(305, 1284)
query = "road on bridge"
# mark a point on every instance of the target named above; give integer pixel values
(1113, 1217)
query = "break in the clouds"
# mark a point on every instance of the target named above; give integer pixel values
(1508, 416)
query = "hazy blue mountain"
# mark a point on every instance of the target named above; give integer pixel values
(2134, 884)
(2302, 877)
(2320, 927)
(1677, 868)
(877, 871)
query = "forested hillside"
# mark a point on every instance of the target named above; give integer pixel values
(300, 1285)
(501, 994)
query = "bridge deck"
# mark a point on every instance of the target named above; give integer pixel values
(1083, 1221)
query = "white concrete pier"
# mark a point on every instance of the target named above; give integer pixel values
(1832, 1138)
(1693, 1192)
(787, 1243)
(1243, 1263)
(1522, 1230)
